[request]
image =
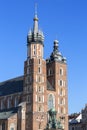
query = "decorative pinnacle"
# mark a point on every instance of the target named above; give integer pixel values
(35, 34)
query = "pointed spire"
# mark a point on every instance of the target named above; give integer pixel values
(35, 28)
(35, 35)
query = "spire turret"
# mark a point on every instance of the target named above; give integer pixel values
(56, 55)
(35, 35)
(35, 27)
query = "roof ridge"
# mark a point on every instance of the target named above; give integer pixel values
(16, 78)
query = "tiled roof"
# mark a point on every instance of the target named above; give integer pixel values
(8, 113)
(11, 86)
(75, 118)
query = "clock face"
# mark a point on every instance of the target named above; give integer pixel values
(51, 103)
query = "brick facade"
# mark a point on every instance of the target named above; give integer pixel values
(43, 87)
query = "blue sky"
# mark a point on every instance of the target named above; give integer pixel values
(65, 20)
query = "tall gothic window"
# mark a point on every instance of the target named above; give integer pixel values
(51, 101)
(16, 102)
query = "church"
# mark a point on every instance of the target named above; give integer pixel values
(28, 102)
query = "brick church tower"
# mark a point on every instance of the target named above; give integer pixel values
(45, 82)
(57, 85)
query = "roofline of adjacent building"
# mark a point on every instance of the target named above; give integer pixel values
(16, 78)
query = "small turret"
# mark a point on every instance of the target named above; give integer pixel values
(35, 40)
(56, 55)
(35, 35)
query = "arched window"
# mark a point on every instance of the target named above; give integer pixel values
(39, 108)
(51, 101)
(61, 82)
(39, 61)
(61, 91)
(2, 104)
(61, 71)
(34, 46)
(39, 79)
(39, 70)
(39, 99)
(62, 101)
(34, 52)
(16, 102)
(39, 89)
(9, 102)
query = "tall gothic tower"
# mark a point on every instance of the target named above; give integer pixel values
(45, 82)
(35, 80)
